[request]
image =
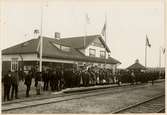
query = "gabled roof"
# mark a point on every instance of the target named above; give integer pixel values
(136, 66)
(78, 42)
(114, 60)
(25, 47)
(51, 51)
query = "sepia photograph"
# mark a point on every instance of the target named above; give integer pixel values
(82, 56)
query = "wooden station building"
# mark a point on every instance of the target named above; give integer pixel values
(59, 53)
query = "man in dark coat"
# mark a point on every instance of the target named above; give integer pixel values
(38, 83)
(87, 78)
(7, 85)
(53, 80)
(45, 80)
(84, 77)
(68, 76)
(58, 80)
(28, 80)
(132, 78)
(73, 78)
(153, 76)
(15, 83)
(119, 78)
(79, 77)
(51, 76)
(101, 77)
(65, 79)
(62, 81)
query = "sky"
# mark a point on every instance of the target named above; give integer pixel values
(128, 23)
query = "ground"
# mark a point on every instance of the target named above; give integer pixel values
(99, 104)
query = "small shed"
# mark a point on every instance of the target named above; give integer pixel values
(136, 66)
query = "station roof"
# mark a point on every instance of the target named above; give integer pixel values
(136, 66)
(77, 42)
(22, 48)
(52, 51)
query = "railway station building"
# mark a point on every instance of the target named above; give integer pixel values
(59, 53)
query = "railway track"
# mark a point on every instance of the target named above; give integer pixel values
(153, 105)
(66, 97)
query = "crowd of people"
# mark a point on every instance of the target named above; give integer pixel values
(58, 79)
(54, 80)
(137, 76)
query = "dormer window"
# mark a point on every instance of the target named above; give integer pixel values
(57, 45)
(25, 44)
(61, 47)
(64, 48)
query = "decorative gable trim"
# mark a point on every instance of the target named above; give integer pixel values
(102, 41)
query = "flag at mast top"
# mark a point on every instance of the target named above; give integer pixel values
(163, 50)
(87, 18)
(87, 21)
(103, 32)
(104, 29)
(147, 41)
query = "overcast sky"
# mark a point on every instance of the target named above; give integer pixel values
(128, 22)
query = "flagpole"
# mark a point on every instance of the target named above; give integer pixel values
(41, 38)
(105, 38)
(164, 52)
(160, 57)
(86, 21)
(85, 34)
(146, 44)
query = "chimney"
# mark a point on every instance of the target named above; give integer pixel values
(57, 35)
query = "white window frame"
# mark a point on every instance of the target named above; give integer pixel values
(102, 56)
(92, 55)
(62, 47)
(14, 64)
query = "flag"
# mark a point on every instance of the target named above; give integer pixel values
(104, 29)
(36, 31)
(147, 42)
(87, 19)
(163, 50)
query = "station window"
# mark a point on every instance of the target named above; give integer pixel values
(64, 48)
(14, 64)
(61, 47)
(92, 52)
(102, 54)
